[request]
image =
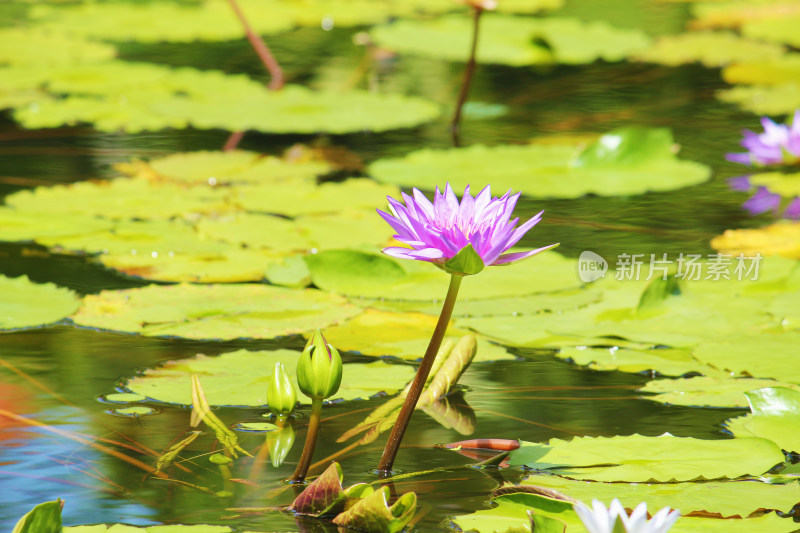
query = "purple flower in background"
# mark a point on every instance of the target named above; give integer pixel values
(762, 201)
(436, 232)
(779, 144)
(793, 209)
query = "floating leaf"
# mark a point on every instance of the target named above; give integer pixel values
(782, 239)
(785, 184)
(703, 391)
(44, 518)
(403, 335)
(373, 513)
(784, 69)
(29, 46)
(235, 166)
(213, 311)
(345, 229)
(637, 458)
(254, 231)
(728, 498)
(780, 99)
(626, 161)
(512, 40)
(777, 30)
(26, 304)
(666, 361)
(122, 528)
(775, 416)
(712, 49)
(762, 356)
(240, 378)
(731, 14)
(133, 411)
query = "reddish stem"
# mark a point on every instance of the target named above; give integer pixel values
(455, 125)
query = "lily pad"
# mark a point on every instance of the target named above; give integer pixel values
(666, 361)
(763, 356)
(712, 49)
(359, 274)
(737, 499)
(29, 46)
(235, 166)
(734, 13)
(780, 99)
(637, 458)
(345, 229)
(785, 184)
(241, 378)
(625, 161)
(29, 225)
(403, 335)
(122, 528)
(373, 512)
(775, 416)
(512, 40)
(213, 311)
(705, 391)
(783, 69)
(26, 304)
(781, 239)
(777, 30)
(255, 231)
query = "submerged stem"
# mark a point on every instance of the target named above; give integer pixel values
(400, 425)
(267, 59)
(311, 441)
(455, 125)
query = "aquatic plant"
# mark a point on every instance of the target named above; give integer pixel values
(778, 145)
(765, 199)
(319, 374)
(461, 239)
(616, 520)
(281, 395)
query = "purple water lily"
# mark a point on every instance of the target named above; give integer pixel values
(778, 145)
(436, 232)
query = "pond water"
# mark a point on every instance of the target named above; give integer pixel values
(57, 375)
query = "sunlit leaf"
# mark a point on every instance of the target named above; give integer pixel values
(712, 49)
(782, 238)
(325, 495)
(728, 498)
(44, 518)
(345, 229)
(785, 184)
(512, 40)
(241, 377)
(403, 335)
(734, 13)
(762, 356)
(122, 528)
(777, 30)
(213, 311)
(775, 416)
(704, 391)
(20, 47)
(374, 514)
(784, 69)
(254, 231)
(764, 99)
(637, 458)
(26, 304)
(632, 162)
(666, 361)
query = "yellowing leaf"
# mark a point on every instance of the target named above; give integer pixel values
(781, 239)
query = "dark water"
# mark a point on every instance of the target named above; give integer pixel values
(534, 398)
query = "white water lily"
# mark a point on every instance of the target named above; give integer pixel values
(616, 520)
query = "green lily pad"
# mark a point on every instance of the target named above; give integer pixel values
(784, 69)
(293, 199)
(29, 225)
(777, 30)
(712, 49)
(637, 458)
(734, 13)
(726, 498)
(666, 361)
(787, 185)
(775, 416)
(512, 40)
(254, 231)
(235, 166)
(120, 198)
(359, 274)
(133, 97)
(373, 512)
(256, 427)
(705, 391)
(123, 397)
(122, 528)
(133, 411)
(213, 311)
(763, 356)
(29, 46)
(26, 304)
(346, 229)
(780, 99)
(625, 161)
(241, 378)
(403, 335)
(227, 265)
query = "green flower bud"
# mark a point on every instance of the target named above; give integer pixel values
(279, 443)
(281, 394)
(319, 369)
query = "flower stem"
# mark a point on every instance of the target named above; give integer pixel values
(267, 59)
(311, 441)
(400, 425)
(455, 125)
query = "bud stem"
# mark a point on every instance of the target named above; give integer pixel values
(311, 441)
(400, 425)
(455, 125)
